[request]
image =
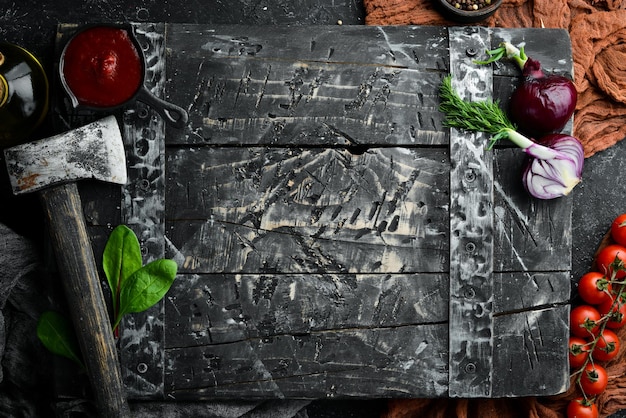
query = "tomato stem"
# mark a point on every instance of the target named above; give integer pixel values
(618, 265)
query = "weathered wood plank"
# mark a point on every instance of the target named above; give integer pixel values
(471, 230)
(233, 308)
(413, 47)
(143, 203)
(530, 352)
(311, 210)
(309, 104)
(286, 90)
(256, 102)
(397, 361)
(531, 317)
(530, 234)
(524, 290)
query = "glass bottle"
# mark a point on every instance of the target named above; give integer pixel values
(24, 94)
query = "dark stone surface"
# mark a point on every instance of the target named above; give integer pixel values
(32, 24)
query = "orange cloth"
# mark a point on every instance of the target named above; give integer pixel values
(598, 32)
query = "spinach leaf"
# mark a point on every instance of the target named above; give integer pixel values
(57, 335)
(134, 287)
(146, 287)
(121, 258)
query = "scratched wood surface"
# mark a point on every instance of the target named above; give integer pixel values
(325, 223)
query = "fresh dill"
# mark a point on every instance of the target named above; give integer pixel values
(482, 116)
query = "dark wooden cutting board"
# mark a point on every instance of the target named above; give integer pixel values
(333, 239)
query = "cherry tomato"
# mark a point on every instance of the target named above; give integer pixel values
(616, 312)
(578, 352)
(579, 408)
(607, 346)
(584, 321)
(618, 229)
(594, 379)
(594, 288)
(609, 258)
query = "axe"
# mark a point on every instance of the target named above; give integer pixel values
(51, 167)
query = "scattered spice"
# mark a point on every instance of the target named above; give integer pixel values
(469, 5)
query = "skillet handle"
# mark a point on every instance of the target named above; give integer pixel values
(175, 115)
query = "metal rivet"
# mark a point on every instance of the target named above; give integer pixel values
(469, 293)
(143, 14)
(470, 247)
(144, 184)
(470, 175)
(142, 368)
(471, 52)
(143, 113)
(470, 368)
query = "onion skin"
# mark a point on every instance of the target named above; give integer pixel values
(542, 103)
(551, 176)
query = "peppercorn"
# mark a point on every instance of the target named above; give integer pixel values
(469, 5)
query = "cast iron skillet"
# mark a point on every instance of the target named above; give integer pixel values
(171, 113)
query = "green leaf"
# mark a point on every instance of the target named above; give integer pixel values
(146, 287)
(121, 259)
(57, 335)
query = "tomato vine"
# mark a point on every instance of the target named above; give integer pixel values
(593, 341)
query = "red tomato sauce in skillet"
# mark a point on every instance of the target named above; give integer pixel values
(102, 67)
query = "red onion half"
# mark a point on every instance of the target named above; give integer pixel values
(554, 166)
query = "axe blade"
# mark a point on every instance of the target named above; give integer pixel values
(93, 151)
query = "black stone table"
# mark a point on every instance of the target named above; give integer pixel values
(593, 205)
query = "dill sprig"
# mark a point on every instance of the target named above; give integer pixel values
(483, 116)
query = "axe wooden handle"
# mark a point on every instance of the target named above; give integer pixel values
(79, 274)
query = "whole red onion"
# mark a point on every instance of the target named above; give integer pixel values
(542, 103)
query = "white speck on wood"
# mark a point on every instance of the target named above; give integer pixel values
(292, 290)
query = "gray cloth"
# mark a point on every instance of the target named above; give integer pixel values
(17, 258)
